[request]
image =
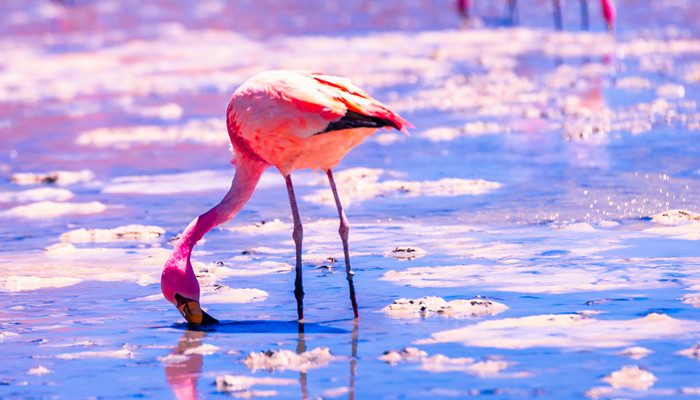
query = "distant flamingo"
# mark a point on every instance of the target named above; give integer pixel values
(290, 120)
(464, 7)
(607, 7)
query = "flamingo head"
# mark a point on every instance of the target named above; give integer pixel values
(180, 287)
(609, 13)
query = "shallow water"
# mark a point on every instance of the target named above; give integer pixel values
(545, 174)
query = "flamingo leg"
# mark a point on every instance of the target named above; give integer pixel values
(512, 8)
(298, 235)
(344, 230)
(557, 15)
(584, 15)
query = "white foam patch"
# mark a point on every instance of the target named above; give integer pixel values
(575, 227)
(671, 91)
(65, 265)
(224, 294)
(442, 363)
(635, 353)
(691, 298)
(173, 358)
(239, 384)
(540, 278)
(405, 253)
(282, 360)
(335, 392)
(361, 184)
(265, 250)
(675, 217)
(566, 330)
(632, 83)
(23, 283)
(187, 182)
(52, 209)
(607, 392)
(40, 370)
(630, 377)
(127, 232)
(264, 227)
(394, 357)
(692, 352)
(689, 231)
(152, 297)
(7, 336)
(58, 177)
(208, 131)
(83, 355)
(36, 195)
(426, 306)
(678, 224)
(249, 268)
(168, 111)
(203, 349)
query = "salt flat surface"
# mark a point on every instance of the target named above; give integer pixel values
(565, 330)
(535, 236)
(426, 306)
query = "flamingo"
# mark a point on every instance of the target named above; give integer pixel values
(607, 7)
(290, 120)
(464, 6)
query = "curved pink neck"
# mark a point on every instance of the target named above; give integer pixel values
(178, 275)
(246, 178)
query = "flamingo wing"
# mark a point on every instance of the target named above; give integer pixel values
(362, 111)
(306, 103)
(299, 119)
(352, 120)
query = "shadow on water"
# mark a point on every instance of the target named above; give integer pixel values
(262, 326)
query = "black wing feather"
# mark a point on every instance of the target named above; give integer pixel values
(353, 119)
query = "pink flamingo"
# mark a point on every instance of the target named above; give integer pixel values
(607, 7)
(464, 7)
(290, 120)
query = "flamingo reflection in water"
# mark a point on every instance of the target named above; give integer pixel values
(184, 365)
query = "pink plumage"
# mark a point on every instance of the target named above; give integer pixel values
(609, 12)
(290, 120)
(277, 115)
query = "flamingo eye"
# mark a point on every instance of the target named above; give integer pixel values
(180, 300)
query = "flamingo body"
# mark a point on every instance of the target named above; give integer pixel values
(290, 120)
(282, 117)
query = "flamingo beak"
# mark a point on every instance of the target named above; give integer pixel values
(193, 313)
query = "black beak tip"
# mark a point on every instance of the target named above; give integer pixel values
(208, 319)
